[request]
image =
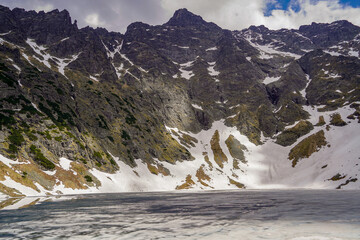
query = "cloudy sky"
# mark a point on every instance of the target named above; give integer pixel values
(116, 15)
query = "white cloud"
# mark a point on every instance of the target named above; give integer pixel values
(46, 8)
(239, 14)
(93, 20)
(310, 11)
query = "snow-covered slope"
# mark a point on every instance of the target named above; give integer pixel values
(266, 166)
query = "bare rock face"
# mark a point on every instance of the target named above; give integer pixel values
(184, 18)
(326, 35)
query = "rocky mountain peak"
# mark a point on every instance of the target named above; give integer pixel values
(137, 25)
(184, 18)
(3, 8)
(44, 28)
(260, 28)
(328, 34)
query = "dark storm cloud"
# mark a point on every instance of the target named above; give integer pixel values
(114, 15)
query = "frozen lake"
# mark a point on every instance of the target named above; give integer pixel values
(244, 214)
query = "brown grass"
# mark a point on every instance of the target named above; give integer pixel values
(219, 155)
(187, 185)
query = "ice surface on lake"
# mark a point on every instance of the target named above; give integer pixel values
(243, 214)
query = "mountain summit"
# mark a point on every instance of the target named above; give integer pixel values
(184, 18)
(183, 105)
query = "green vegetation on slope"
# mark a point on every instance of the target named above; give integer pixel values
(289, 136)
(306, 147)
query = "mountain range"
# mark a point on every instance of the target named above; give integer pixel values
(183, 105)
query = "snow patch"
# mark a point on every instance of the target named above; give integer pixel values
(277, 110)
(64, 39)
(232, 107)
(8, 162)
(211, 70)
(17, 67)
(50, 173)
(196, 106)
(266, 51)
(40, 50)
(65, 62)
(264, 55)
(187, 64)
(334, 75)
(65, 163)
(118, 70)
(94, 78)
(354, 53)
(14, 65)
(6, 33)
(211, 49)
(187, 74)
(28, 59)
(21, 202)
(34, 105)
(21, 188)
(303, 92)
(128, 72)
(332, 53)
(269, 80)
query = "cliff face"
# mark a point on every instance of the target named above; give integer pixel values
(181, 105)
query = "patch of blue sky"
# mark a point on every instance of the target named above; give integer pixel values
(295, 4)
(352, 3)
